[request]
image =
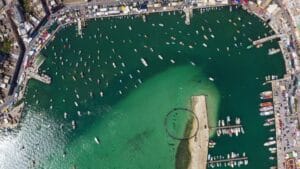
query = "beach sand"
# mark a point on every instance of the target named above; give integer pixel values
(198, 145)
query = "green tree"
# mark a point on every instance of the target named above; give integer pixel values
(5, 46)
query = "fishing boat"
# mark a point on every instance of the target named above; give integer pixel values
(266, 108)
(266, 104)
(97, 140)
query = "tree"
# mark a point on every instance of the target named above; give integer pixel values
(5, 46)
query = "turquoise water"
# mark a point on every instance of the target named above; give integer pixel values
(100, 81)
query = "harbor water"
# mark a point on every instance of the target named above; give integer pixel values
(118, 82)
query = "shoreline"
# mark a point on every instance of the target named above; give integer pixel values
(198, 146)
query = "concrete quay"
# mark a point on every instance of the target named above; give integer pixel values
(286, 123)
(40, 77)
(198, 145)
(265, 39)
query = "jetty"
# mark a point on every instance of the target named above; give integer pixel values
(188, 14)
(79, 26)
(227, 127)
(35, 75)
(227, 160)
(198, 145)
(232, 160)
(265, 39)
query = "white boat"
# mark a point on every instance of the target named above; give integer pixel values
(266, 113)
(242, 130)
(73, 124)
(211, 79)
(237, 121)
(160, 57)
(76, 104)
(269, 143)
(97, 140)
(161, 25)
(204, 45)
(228, 119)
(144, 62)
(114, 65)
(65, 115)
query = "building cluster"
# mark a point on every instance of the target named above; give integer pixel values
(20, 22)
(71, 15)
(9, 51)
(28, 17)
(54, 5)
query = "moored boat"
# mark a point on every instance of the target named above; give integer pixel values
(266, 113)
(266, 108)
(266, 104)
(97, 140)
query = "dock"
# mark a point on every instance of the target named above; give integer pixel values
(40, 77)
(198, 145)
(232, 160)
(188, 14)
(227, 127)
(265, 39)
(79, 26)
(227, 160)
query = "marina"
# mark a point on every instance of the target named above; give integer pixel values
(73, 65)
(232, 160)
(225, 127)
